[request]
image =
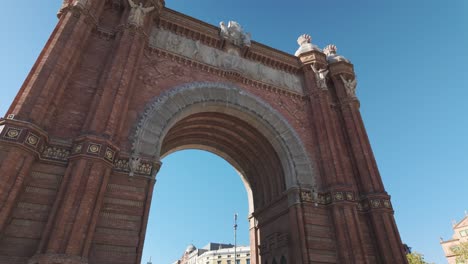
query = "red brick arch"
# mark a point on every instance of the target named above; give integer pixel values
(79, 151)
(194, 98)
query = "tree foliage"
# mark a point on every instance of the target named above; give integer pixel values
(416, 258)
(462, 252)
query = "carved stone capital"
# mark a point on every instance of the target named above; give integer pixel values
(313, 57)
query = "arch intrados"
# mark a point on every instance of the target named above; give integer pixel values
(240, 141)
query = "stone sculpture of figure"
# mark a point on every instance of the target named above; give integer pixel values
(65, 5)
(234, 33)
(137, 14)
(235, 30)
(80, 3)
(133, 164)
(350, 86)
(330, 51)
(321, 77)
(246, 37)
(224, 30)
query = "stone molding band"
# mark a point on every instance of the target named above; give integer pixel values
(34, 140)
(364, 202)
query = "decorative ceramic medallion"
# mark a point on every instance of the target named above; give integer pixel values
(12, 133)
(94, 148)
(109, 155)
(32, 140)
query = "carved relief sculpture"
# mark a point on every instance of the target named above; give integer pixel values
(134, 163)
(138, 13)
(229, 60)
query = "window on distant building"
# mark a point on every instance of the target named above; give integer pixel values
(229, 256)
(219, 261)
(247, 261)
(237, 261)
(229, 262)
(219, 256)
(464, 233)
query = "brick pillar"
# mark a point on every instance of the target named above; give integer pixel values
(14, 168)
(43, 88)
(375, 199)
(144, 223)
(71, 225)
(110, 104)
(298, 246)
(67, 235)
(336, 174)
(20, 146)
(254, 240)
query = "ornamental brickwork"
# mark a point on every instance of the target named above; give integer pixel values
(120, 85)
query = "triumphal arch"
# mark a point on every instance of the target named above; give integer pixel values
(120, 84)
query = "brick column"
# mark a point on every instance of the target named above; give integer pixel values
(254, 240)
(336, 174)
(43, 88)
(144, 223)
(375, 199)
(110, 104)
(14, 168)
(70, 227)
(298, 247)
(20, 146)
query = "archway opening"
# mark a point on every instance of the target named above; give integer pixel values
(250, 135)
(194, 201)
(251, 157)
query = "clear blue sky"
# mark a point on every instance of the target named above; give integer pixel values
(410, 58)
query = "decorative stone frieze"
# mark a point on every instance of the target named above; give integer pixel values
(55, 153)
(231, 75)
(143, 168)
(226, 61)
(95, 148)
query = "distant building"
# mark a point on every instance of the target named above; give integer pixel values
(460, 234)
(215, 253)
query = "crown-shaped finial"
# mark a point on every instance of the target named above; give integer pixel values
(330, 49)
(303, 39)
(305, 44)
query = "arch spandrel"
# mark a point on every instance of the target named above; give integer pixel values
(177, 103)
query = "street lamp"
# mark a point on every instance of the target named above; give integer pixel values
(235, 238)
